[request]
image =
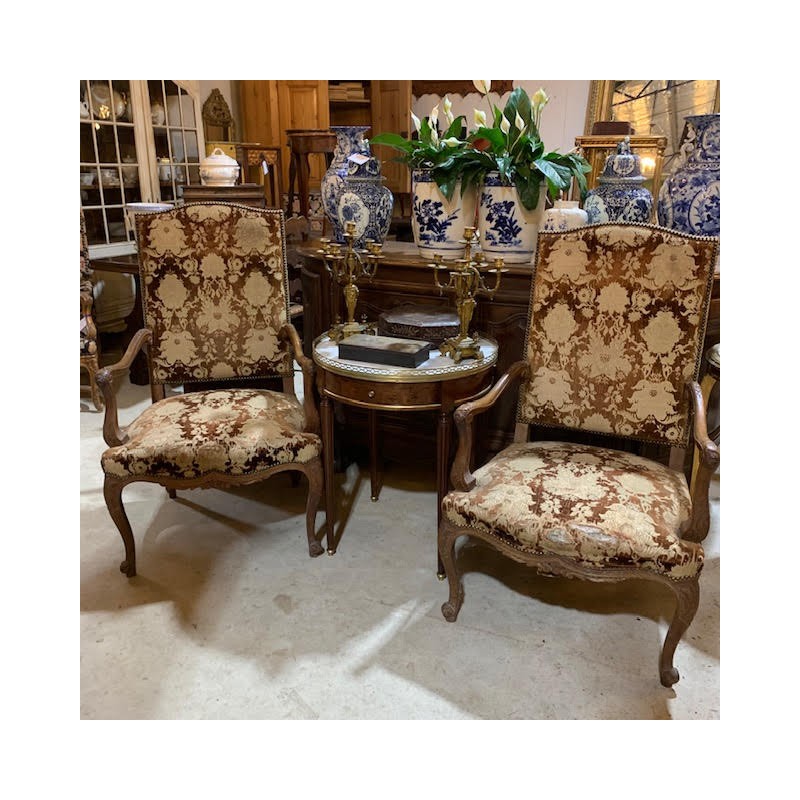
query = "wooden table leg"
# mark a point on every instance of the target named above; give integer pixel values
(443, 438)
(326, 418)
(139, 373)
(292, 177)
(374, 477)
(304, 171)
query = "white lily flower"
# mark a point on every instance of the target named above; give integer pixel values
(448, 110)
(519, 123)
(415, 120)
(539, 99)
(434, 117)
(480, 118)
(504, 125)
(452, 141)
(482, 86)
(434, 136)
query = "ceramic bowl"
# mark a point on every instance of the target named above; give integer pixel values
(218, 169)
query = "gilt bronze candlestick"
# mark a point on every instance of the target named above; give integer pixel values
(466, 281)
(346, 267)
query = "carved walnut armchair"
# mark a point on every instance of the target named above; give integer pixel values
(215, 301)
(614, 345)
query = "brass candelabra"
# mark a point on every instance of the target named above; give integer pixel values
(346, 266)
(466, 281)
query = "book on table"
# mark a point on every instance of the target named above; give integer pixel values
(384, 350)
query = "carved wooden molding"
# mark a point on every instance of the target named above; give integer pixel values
(418, 88)
(216, 111)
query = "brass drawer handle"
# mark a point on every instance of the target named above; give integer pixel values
(371, 393)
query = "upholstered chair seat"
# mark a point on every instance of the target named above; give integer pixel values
(600, 507)
(230, 432)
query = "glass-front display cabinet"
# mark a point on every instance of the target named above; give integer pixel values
(140, 141)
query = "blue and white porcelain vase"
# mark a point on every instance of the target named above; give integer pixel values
(507, 229)
(565, 215)
(366, 202)
(688, 200)
(620, 196)
(349, 141)
(438, 223)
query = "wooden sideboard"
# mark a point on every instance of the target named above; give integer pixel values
(403, 277)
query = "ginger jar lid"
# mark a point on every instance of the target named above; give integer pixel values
(623, 166)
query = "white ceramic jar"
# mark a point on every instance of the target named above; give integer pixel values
(218, 169)
(564, 216)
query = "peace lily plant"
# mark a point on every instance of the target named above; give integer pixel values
(440, 152)
(513, 147)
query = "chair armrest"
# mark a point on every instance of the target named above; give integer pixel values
(112, 433)
(697, 529)
(289, 333)
(460, 474)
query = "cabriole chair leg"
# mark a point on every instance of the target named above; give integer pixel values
(112, 492)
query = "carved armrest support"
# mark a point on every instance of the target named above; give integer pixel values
(112, 433)
(289, 334)
(463, 480)
(697, 529)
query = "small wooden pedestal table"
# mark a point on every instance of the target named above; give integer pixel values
(438, 384)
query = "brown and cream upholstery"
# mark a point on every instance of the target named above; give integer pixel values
(614, 342)
(215, 300)
(89, 350)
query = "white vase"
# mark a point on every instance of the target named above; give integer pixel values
(565, 215)
(438, 223)
(507, 229)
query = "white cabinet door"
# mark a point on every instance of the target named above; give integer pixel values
(140, 141)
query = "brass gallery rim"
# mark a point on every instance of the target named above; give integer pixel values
(443, 369)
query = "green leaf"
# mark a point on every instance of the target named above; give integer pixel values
(456, 127)
(393, 140)
(528, 191)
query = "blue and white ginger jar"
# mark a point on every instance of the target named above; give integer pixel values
(620, 196)
(349, 140)
(688, 200)
(366, 202)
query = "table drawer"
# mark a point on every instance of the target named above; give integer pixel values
(375, 394)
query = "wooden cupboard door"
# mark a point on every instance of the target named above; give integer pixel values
(259, 102)
(391, 107)
(303, 105)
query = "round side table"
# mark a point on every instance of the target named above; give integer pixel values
(438, 384)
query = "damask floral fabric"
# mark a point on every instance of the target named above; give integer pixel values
(601, 507)
(234, 432)
(215, 294)
(618, 315)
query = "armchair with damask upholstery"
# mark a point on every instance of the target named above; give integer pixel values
(613, 349)
(216, 308)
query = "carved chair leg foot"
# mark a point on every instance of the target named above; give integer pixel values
(315, 485)
(112, 492)
(688, 597)
(172, 493)
(447, 544)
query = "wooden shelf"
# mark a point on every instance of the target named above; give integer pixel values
(365, 102)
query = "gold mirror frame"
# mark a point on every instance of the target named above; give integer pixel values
(601, 96)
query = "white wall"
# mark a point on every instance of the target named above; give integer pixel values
(562, 119)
